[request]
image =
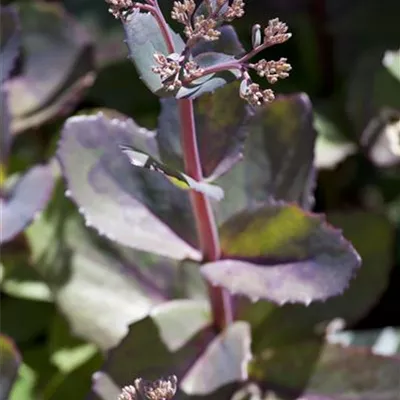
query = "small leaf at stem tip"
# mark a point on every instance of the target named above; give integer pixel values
(179, 179)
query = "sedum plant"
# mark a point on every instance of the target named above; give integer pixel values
(201, 271)
(224, 186)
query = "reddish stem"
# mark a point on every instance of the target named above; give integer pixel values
(221, 302)
(238, 64)
(205, 222)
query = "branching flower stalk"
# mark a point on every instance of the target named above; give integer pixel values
(177, 70)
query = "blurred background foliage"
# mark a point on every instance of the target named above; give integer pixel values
(345, 56)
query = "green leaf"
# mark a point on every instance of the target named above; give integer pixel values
(179, 179)
(220, 131)
(278, 158)
(35, 314)
(144, 38)
(91, 275)
(58, 66)
(164, 343)
(10, 40)
(9, 365)
(281, 253)
(19, 280)
(133, 206)
(82, 269)
(274, 325)
(23, 388)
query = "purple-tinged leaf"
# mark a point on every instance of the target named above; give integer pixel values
(280, 253)
(274, 325)
(213, 81)
(166, 342)
(9, 364)
(144, 39)
(132, 206)
(58, 65)
(278, 158)
(224, 361)
(25, 200)
(309, 369)
(10, 41)
(227, 43)
(221, 131)
(82, 270)
(5, 136)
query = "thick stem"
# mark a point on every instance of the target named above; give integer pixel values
(205, 222)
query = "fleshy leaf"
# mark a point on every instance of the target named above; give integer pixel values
(277, 161)
(210, 82)
(133, 206)
(273, 325)
(224, 361)
(58, 65)
(9, 365)
(329, 372)
(179, 179)
(25, 200)
(144, 39)
(221, 131)
(164, 343)
(82, 270)
(279, 252)
(10, 41)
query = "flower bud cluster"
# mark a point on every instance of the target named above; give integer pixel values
(254, 95)
(272, 70)
(161, 389)
(204, 26)
(119, 8)
(172, 67)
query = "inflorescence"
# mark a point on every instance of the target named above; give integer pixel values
(161, 389)
(201, 24)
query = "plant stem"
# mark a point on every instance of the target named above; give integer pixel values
(205, 222)
(220, 299)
